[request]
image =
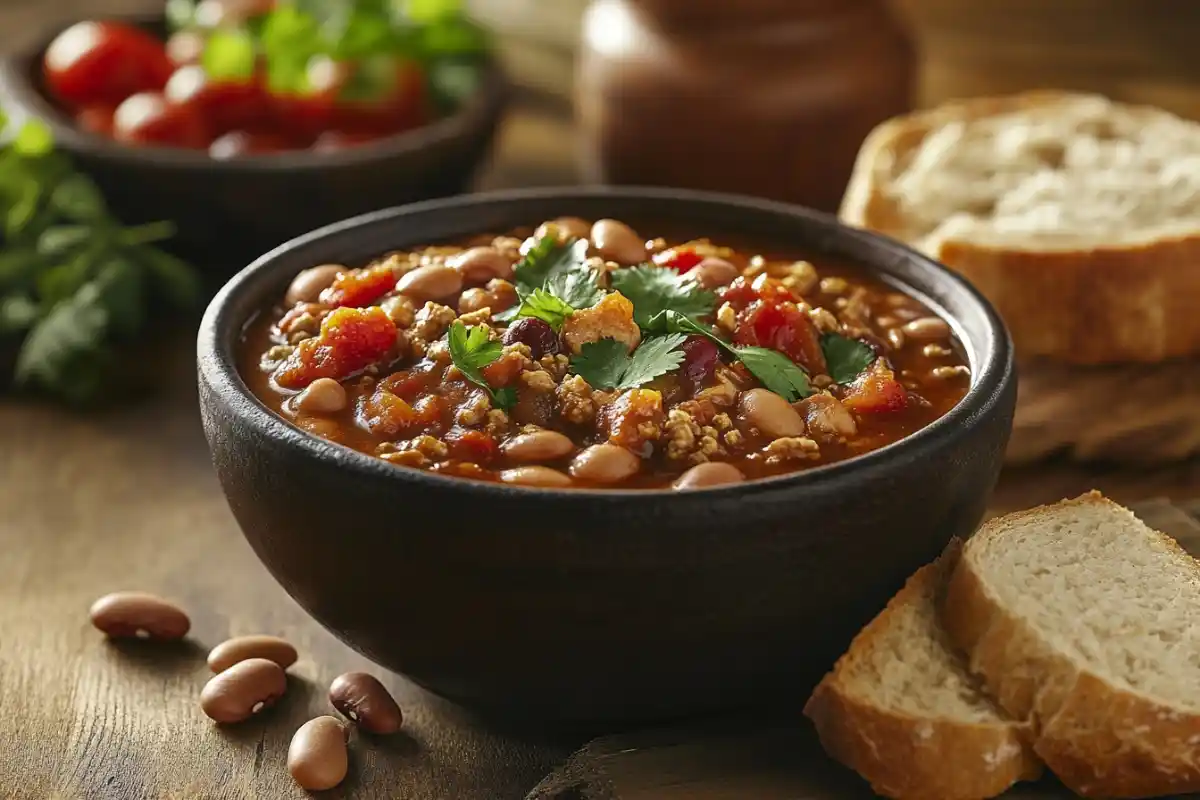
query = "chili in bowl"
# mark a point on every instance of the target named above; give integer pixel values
(544, 464)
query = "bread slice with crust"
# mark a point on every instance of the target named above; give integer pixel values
(901, 710)
(1085, 623)
(1078, 217)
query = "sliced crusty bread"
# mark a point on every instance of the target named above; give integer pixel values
(1078, 217)
(1084, 622)
(901, 710)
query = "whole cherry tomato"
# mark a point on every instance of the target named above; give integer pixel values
(243, 143)
(147, 118)
(104, 62)
(97, 119)
(224, 106)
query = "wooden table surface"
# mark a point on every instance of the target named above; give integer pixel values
(127, 499)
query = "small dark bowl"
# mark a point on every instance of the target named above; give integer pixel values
(601, 605)
(229, 211)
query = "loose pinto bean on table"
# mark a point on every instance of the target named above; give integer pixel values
(582, 355)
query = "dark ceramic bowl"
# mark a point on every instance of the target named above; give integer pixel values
(230, 211)
(590, 605)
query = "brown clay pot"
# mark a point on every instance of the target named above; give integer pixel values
(763, 97)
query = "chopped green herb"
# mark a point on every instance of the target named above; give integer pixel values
(471, 351)
(773, 369)
(546, 307)
(607, 364)
(558, 268)
(578, 288)
(846, 358)
(653, 290)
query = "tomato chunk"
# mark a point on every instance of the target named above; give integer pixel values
(103, 63)
(876, 391)
(360, 287)
(783, 327)
(474, 446)
(351, 339)
(680, 259)
(743, 291)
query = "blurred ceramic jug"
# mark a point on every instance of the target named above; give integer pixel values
(763, 97)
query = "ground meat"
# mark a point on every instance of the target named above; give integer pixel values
(634, 420)
(274, 356)
(539, 381)
(792, 448)
(724, 393)
(432, 321)
(682, 434)
(474, 410)
(575, 400)
(611, 318)
(476, 317)
(498, 423)
(828, 420)
(825, 321)
(556, 365)
(401, 309)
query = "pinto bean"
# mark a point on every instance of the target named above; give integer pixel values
(317, 757)
(432, 282)
(538, 446)
(123, 615)
(322, 396)
(481, 264)
(605, 463)
(243, 690)
(241, 648)
(308, 285)
(926, 329)
(366, 701)
(713, 272)
(616, 241)
(710, 473)
(770, 413)
(536, 476)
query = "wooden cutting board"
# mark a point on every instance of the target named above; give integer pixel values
(753, 759)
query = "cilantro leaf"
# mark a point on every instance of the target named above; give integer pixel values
(776, 371)
(607, 364)
(578, 288)
(653, 290)
(846, 358)
(773, 369)
(549, 257)
(546, 307)
(471, 351)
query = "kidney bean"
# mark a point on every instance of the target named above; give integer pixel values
(366, 701)
(605, 463)
(243, 690)
(616, 241)
(124, 615)
(481, 264)
(770, 413)
(308, 285)
(710, 473)
(538, 335)
(700, 358)
(242, 648)
(538, 446)
(432, 282)
(317, 757)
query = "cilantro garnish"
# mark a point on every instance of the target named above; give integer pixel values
(471, 351)
(846, 358)
(607, 364)
(773, 369)
(549, 257)
(546, 307)
(558, 269)
(654, 290)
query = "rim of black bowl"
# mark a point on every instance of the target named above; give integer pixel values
(25, 92)
(219, 335)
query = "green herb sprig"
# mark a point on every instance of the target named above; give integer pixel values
(845, 358)
(553, 281)
(608, 364)
(471, 351)
(654, 290)
(74, 283)
(774, 370)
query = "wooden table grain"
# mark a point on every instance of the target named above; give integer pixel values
(127, 499)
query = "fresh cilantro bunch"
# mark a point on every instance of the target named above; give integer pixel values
(74, 282)
(287, 40)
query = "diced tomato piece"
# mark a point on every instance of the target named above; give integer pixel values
(474, 446)
(783, 327)
(634, 418)
(876, 391)
(504, 370)
(742, 292)
(104, 62)
(360, 287)
(680, 259)
(351, 339)
(408, 384)
(384, 414)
